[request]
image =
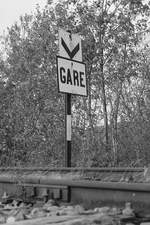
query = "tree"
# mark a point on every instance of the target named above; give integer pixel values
(111, 31)
(114, 28)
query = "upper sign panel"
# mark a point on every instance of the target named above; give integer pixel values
(70, 45)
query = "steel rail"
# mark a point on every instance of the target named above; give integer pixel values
(75, 169)
(45, 180)
(77, 189)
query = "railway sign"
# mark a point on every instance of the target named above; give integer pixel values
(71, 76)
(70, 45)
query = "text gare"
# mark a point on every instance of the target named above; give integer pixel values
(76, 78)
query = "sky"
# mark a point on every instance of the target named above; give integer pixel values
(11, 10)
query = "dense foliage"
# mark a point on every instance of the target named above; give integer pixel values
(111, 126)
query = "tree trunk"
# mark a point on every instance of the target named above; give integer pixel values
(114, 125)
(90, 131)
(103, 86)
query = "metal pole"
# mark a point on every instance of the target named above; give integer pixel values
(68, 130)
(68, 121)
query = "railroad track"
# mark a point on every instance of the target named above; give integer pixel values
(112, 174)
(88, 186)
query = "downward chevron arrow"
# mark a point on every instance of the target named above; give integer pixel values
(70, 53)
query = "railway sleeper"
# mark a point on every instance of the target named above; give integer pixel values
(46, 191)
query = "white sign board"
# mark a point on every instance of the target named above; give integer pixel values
(71, 76)
(70, 45)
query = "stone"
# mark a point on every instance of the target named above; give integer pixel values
(104, 220)
(50, 208)
(36, 213)
(128, 211)
(65, 210)
(61, 212)
(2, 219)
(114, 211)
(20, 216)
(10, 219)
(8, 206)
(133, 224)
(5, 195)
(103, 210)
(51, 202)
(81, 222)
(15, 203)
(79, 209)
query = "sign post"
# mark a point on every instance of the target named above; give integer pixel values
(68, 130)
(71, 78)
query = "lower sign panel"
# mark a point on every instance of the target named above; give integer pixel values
(71, 76)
